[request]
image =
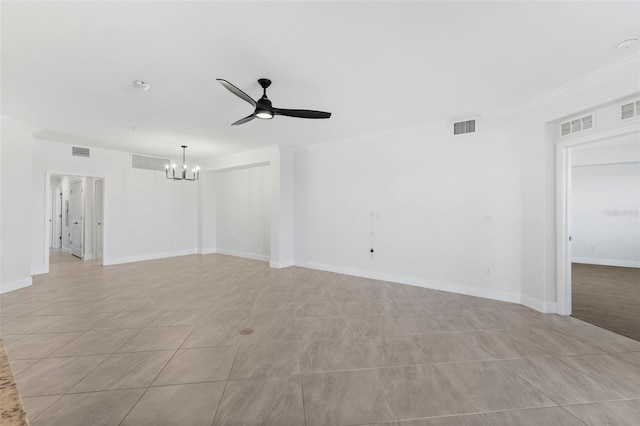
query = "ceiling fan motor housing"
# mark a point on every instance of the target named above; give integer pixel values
(263, 108)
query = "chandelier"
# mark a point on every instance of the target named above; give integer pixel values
(195, 172)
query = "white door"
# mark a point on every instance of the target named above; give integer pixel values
(75, 217)
(56, 222)
(52, 215)
(97, 196)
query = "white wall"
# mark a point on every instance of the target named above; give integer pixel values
(207, 213)
(243, 216)
(15, 184)
(605, 223)
(88, 220)
(146, 216)
(432, 193)
(280, 160)
(444, 209)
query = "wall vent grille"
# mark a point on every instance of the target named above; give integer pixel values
(148, 163)
(630, 110)
(80, 152)
(575, 125)
(462, 127)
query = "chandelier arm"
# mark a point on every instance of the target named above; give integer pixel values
(183, 174)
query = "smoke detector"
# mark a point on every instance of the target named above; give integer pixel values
(142, 85)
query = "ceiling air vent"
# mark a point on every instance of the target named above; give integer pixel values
(148, 163)
(79, 151)
(575, 125)
(464, 127)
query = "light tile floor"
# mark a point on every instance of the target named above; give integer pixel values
(159, 342)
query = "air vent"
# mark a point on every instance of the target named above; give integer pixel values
(627, 111)
(148, 163)
(464, 127)
(79, 151)
(577, 124)
(630, 110)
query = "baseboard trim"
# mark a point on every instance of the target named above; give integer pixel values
(281, 264)
(15, 285)
(208, 251)
(243, 254)
(65, 250)
(539, 305)
(416, 281)
(606, 262)
(130, 259)
(39, 271)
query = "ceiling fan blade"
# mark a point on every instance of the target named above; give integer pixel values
(239, 93)
(301, 113)
(244, 120)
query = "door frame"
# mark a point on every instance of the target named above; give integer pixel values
(47, 225)
(563, 210)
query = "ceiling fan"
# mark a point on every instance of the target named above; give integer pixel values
(263, 108)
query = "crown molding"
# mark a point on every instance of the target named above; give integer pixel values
(589, 80)
(17, 123)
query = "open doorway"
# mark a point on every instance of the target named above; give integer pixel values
(603, 245)
(604, 204)
(75, 218)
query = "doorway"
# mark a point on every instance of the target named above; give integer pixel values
(616, 146)
(604, 204)
(80, 200)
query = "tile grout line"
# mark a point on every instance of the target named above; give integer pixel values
(225, 386)
(560, 358)
(556, 402)
(133, 405)
(379, 388)
(573, 415)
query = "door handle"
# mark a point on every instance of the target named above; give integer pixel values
(75, 223)
(99, 223)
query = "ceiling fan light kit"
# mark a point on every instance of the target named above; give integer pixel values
(195, 172)
(263, 108)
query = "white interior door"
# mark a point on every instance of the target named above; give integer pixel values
(75, 217)
(56, 223)
(52, 215)
(98, 214)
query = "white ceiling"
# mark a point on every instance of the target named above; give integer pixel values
(69, 67)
